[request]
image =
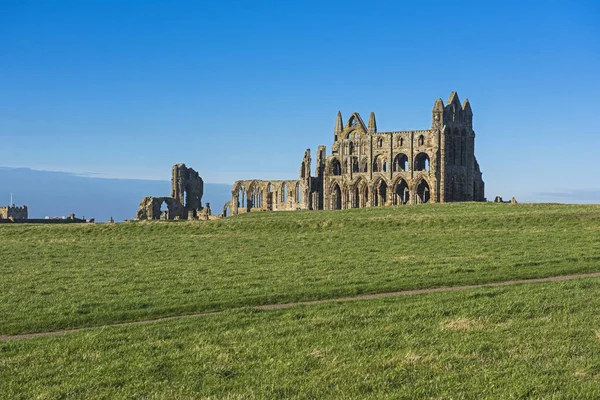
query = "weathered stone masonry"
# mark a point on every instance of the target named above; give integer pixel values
(368, 168)
(13, 212)
(185, 202)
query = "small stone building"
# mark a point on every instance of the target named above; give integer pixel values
(368, 168)
(13, 212)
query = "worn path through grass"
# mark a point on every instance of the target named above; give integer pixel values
(63, 277)
(561, 278)
(521, 341)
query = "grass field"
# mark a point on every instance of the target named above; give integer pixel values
(526, 341)
(56, 277)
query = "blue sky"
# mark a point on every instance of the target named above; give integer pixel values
(237, 90)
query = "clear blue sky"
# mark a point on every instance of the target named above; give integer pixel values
(241, 89)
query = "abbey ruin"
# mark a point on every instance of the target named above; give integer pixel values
(367, 168)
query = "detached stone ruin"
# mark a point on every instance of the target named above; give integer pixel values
(185, 202)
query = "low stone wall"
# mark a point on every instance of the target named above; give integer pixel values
(43, 221)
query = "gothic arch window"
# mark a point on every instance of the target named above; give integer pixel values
(380, 193)
(284, 192)
(423, 192)
(422, 162)
(365, 166)
(421, 140)
(336, 197)
(241, 197)
(257, 198)
(377, 163)
(350, 148)
(336, 168)
(401, 193)
(400, 163)
(379, 142)
(355, 165)
(298, 193)
(401, 141)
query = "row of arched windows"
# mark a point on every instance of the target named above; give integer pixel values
(254, 197)
(359, 194)
(380, 164)
(379, 142)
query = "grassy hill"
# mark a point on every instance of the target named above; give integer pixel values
(56, 277)
(531, 340)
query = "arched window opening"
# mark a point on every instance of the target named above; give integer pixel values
(422, 162)
(423, 193)
(164, 210)
(421, 140)
(400, 163)
(270, 188)
(355, 135)
(401, 142)
(402, 195)
(380, 195)
(227, 211)
(365, 165)
(350, 148)
(298, 193)
(384, 167)
(257, 201)
(379, 142)
(336, 168)
(336, 197)
(284, 192)
(241, 197)
(355, 165)
(377, 164)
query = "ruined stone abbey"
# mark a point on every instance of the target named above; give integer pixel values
(367, 168)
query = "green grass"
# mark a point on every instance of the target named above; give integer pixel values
(68, 276)
(526, 341)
